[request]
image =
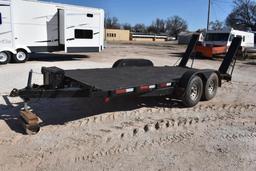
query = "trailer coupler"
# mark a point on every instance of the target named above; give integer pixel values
(14, 93)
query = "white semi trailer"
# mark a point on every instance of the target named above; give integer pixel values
(28, 26)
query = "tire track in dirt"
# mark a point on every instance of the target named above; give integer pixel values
(239, 136)
(135, 131)
(132, 127)
(133, 147)
(162, 124)
(247, 87)
(183, 122)
(5, 141)
(225, 108)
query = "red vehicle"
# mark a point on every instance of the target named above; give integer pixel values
(218, 42)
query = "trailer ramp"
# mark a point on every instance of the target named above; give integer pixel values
(230, 58)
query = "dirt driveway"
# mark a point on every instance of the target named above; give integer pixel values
(129, 133)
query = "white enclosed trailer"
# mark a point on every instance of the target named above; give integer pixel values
(28, 26)
(225, 38)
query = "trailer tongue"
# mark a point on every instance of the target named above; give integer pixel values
(130, 77)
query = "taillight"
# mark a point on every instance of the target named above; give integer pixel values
(144, 88)
(124, 91)
(164, 85)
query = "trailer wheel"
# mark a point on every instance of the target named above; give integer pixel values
(5, 57)
(132, 62)
(211, 87)
(193, 92)
(20, 57)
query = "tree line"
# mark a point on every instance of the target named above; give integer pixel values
(242, 17)
(171, 26)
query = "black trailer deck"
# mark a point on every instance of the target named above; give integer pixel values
(126, 77)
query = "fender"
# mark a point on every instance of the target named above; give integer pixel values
(132, 62)
(8, 49)
(23, 47)
(206, 73)
(185, 79)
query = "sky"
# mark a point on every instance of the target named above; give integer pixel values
(145, 11)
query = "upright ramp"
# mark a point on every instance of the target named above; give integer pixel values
(229, 58)
(189, 51)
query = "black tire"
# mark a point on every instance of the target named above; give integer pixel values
(5, 57)
(20, 57)
(132, 62)
(211, 87)
(193, 92)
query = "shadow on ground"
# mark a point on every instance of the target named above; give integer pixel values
(10, 115)
(176, 54)
(199, 57)
(50, 57)
(61, 111)
(251, 63)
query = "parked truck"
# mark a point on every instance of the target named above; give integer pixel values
(28, 26)
(218, 42)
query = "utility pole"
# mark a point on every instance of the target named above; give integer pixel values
(209, 13)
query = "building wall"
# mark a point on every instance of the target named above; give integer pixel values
(160, 40)
(143, 39)
(148, 39)
(117, 35)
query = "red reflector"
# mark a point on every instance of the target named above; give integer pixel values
(144, 88)
(121, 91)
(163, 85)
(107, 99)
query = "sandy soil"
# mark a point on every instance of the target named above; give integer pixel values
(130, 133)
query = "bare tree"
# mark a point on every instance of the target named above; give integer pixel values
(112, 23)
(157, 26)
(160, 25)
(152, 29)
(243, 16)
(140, 28)
(217, 25)
(175, 25)
(172, 26)
(127, 26)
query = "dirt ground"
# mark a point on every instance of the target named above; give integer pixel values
(130, 133)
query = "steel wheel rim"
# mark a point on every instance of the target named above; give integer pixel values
(3, 57)
(21, 56)
(194, 92)
(211, 87)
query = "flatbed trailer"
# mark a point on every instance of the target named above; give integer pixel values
(130, 77)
